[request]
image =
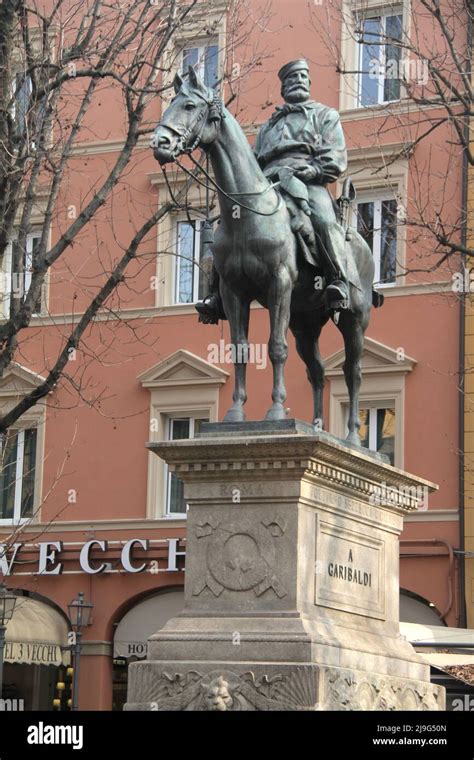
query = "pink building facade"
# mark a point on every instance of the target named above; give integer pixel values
(106, 517)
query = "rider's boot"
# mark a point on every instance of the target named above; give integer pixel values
(337, 294)
(210, 309)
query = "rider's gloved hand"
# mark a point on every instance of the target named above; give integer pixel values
(308, 173)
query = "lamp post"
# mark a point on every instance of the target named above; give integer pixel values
(7, 606)
(79, 615)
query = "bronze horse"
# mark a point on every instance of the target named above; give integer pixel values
(255, 253)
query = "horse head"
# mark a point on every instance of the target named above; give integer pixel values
(190, 121)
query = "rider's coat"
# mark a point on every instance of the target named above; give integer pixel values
(297, 135)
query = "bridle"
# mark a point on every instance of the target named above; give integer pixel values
(213, 112)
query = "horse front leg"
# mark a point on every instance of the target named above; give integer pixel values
(237, 313)
(353, 334)
(279, 299)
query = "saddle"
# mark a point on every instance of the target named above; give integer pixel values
(303, 229)
(294, 193)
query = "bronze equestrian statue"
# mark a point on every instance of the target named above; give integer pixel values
(282, 240)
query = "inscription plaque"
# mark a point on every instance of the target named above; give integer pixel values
(349, 570)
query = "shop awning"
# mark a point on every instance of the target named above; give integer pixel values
(449, 660)
(443, 647)
(36, 634)
(143, 620)
(438, 635)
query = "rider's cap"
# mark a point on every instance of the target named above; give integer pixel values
(289, 68)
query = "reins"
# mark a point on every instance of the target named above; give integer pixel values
(215, 107)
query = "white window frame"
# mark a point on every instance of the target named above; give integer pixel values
(14, 86)
(7, 273)
(377, 200)
(383, 14)
(207, 27)
(181, 385)
(350, 51)
(196, 261)
(28, 272)
(192, 417)
(383, 387)
(373, 401)
(372, 408)
(32, 144)
(201, 46)
(17, 519)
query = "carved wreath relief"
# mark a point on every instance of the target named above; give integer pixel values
(240, 557)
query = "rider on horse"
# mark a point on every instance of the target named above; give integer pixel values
(302, 148)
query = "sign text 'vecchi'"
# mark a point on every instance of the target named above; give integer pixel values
(49, 557)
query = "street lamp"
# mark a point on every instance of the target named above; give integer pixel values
(79, 615)
(7, 606)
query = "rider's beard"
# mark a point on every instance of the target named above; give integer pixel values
(298, 94)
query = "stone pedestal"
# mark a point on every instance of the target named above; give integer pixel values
(292, 579)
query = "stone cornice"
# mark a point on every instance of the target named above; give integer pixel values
(434, 515)
(316, 458)
(128, 525)
(385, 110)
(374, 153)
(150, 312)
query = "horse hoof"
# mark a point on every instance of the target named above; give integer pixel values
(276, 412)
(235, 415)
(354, 439)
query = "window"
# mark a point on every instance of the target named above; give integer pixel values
(21, 103)
(382, 398)
(23, 282)
(179, 428)
(16, 283)
(182, 386)
(379, 58)
(377, 223)
(27, 113)
(191, 280)
(377, 430)
(205, 60)
(17, 475)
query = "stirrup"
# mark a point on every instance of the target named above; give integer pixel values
(210, 315)
(339, 301)
(339, 305)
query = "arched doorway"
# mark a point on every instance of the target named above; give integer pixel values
(131, 635)
(36, 656)
(416, 609)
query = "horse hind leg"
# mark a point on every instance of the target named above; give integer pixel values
(353, 333)
(308, 349)
(279, 299)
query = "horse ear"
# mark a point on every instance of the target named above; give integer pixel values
(177, 83)
(195, 79)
